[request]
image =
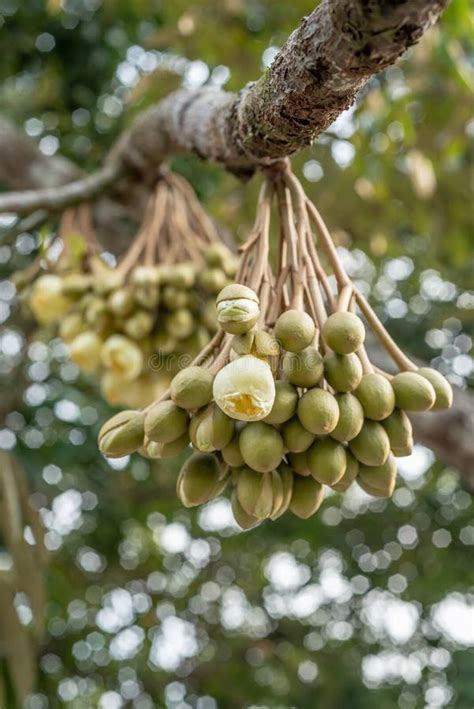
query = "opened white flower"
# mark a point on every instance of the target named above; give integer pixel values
(85, 351)
(47, 300)
(245, 389)
(122, 356)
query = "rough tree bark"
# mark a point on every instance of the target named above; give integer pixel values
(313, 79)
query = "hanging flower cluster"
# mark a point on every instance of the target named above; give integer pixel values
(131, 324)
(284, 399)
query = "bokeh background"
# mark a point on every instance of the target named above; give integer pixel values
(370, 603)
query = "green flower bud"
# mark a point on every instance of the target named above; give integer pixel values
(306, 498)
(180, 323)
(209, 316)
(139, 325)
(327, 461)
(243, 519)
(96, 314)
(352, 468)
(147, 296)
(191, 388)
(255, 492)
(245, 389)
(443, 390)
(200, 480)
(163, 343)
(165, 422)
(295, 436)
(183, 275)
(231, 454)
(85, 351)
(281, 495)
(107, 281)
(75, 284)
(167, 450)
(318, 411)
(371, 446)
(342, 372)
(145, 276)
(237, 309)
(295, 330)
(211, 429)
(122, 434)
(299, 463)
(303, 369)
(213, 280)
(351, 418)
(376, 395)
(343, 332)
(217, 255)
(261, 446)
(284, 406)
(400, 433)
(378, 480)
(120, 302)
(122, 357)
(413, 392)
(174, 298)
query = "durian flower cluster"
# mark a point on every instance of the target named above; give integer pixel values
(284, 400)
(134, 325)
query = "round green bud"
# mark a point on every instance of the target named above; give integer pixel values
(122, 434)
(281, 495)
(237, 309)
(327, 461)
(352, 468)
(217, 255)
(145, 276)
(209, 316)
(139, 325)
(371, 446)
(400, 433)
(232, 455)
(443, 389)
(376, 395)
(199, 480)
(351, 418)
(303, 369)
(174, 298)
(261, 446)
(212, 280)
(147, 296)
(342, 372)
(167, 450)
(295, 330)
(306, 497)
(343, 332)
(211, 429)
(413, 392)
(120, 302)
(378, 480)
(71, 326)
(244, 520)
(165, 422)
(255, 492)
(284, 406)
(85, 350)
(108, 281)
(76, 284)
(182, 275)
(180, 323)
(295, 436)
(191, 388)
(299, 463)
(318, 411)
(163, 343)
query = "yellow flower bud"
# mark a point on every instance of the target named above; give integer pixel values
(122, 356)
(85, 351)
(47, 300)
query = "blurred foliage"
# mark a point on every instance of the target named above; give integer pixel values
(368, 605)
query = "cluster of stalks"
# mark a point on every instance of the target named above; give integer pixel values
(136, 324)
(284, 398)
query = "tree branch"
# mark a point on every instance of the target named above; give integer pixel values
(315, 77)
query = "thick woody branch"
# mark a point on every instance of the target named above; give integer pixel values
(315, 77)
